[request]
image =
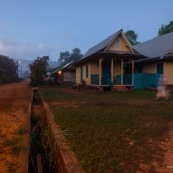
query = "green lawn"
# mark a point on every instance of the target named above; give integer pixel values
(111, 131)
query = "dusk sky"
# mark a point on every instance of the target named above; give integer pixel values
(34, 28)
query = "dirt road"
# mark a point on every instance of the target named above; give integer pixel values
(14, 101)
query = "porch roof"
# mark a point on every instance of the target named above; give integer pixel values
(118, 55)
(108, 55)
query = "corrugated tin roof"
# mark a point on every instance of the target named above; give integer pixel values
(66, 65)
(103, 44)
(157, 47)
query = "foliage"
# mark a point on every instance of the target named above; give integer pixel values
(26, 74)
(38, 70)
(66, 57)
(132, 37)
(164, 29)
(8, 70)
(112, 132)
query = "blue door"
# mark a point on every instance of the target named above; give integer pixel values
(106, 74)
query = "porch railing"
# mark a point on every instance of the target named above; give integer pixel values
(95, 79)
(141, 80)
(105, 79)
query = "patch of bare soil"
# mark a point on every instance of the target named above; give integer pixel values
(68, 90)
(66, 104)
(166, 166)
(14, 101)
(167, 146)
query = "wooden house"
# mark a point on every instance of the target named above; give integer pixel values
(102, 63)
(68, 73)
(159, 53)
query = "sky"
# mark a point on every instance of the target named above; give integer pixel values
(36, 28)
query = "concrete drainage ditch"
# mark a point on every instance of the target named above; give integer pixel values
(44, 148)
(41, 155)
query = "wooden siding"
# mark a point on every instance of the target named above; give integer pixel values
(78, 75)
(69, 76)
(116, 69)
(87, 79)
(150, 68)
(119, 44)
(94, 68)
(168, 71)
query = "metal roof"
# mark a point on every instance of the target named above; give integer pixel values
(94, 52)
(157, 47)
(103, 44)
(68, 66)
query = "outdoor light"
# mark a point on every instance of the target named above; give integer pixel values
(59, 72)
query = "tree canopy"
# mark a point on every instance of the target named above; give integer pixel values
(8, 70)
(164, 29)
(38, 70)
(66, 57)
(132, 37)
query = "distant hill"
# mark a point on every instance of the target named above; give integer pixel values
(24, 65)
(53, 64)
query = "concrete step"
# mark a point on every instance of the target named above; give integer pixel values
(120, 88)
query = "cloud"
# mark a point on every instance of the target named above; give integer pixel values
(19, 50)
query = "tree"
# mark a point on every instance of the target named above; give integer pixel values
(76, 50)
(8, 70)
(26, 74)
(38, 70)
(66, 57)
(132, 37)
(75, 55)
(164, 29)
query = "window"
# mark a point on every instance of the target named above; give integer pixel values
(87, 71)
(160, 68)
(81, 74)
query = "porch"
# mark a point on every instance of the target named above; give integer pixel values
(106, 82)
(141, 80)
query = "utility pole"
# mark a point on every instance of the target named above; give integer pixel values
(17, 64)
(21, 72)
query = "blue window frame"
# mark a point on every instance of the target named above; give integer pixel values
(160, 68)
(81, 74)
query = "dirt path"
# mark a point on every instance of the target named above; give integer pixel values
(167, 146)
(14, 101)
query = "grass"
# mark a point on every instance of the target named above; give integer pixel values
(14, 144)
(11, 147)
(110, 131)
(21, 130)
(41, 141)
